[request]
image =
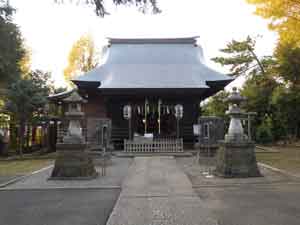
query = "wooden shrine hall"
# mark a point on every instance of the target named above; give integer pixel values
(151, 76)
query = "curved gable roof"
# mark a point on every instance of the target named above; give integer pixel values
(153, 63)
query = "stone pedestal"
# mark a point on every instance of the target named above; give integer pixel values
(208, 150)
(236, 159)
(73, 162)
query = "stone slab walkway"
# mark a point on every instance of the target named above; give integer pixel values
(157, 192)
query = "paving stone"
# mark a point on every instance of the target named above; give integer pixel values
(156, 191)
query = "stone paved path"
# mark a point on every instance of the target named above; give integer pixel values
(157, 192)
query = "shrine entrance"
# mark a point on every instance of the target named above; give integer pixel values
(154, 117)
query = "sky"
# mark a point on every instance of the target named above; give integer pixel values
(50, 29)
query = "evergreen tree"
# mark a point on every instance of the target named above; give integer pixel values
(26, 97)
(241, 57)
(11, 47)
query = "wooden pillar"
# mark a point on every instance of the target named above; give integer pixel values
(159, 106)
(146, 109)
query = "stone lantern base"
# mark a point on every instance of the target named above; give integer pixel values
(236, 160)
(73, 162)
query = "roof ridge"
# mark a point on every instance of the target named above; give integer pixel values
(181, 40)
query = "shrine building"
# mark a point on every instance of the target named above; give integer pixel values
(151, 76)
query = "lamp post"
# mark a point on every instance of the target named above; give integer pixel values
(178, 115)
(127, 113)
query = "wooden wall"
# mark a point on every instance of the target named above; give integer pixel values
(111, 107)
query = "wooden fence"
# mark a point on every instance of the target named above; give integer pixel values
(156, 145)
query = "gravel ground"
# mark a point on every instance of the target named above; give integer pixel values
(196, 173)
(270, 200)
(115, 173)
(5, 179)
(59, 207)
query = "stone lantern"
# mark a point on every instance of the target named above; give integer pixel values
(236, 155)
(74, 115)
(235, 131)
(73, 162)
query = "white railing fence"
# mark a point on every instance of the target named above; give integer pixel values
(158, 145)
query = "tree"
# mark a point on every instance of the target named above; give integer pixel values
(82, 58)
(25, 62)
(258, 90)
(284, 16)
(143, 5)
(216, 105)
(11, 46)
(286, 104)
(242, 58)
(259, 86)
(26, 97)
(288, 56)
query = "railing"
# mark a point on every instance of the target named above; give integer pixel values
(158, 145)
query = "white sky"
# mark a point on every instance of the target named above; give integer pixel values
(50, 29)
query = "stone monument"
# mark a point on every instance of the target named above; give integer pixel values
(72, 161)
(236, 155)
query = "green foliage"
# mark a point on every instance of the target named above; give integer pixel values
(241, 57)
(286, 104)
(288, 56)
(11, 47)
(258, 91)
(216, 105)
(272, 88)
(26, 98)
(264, 132)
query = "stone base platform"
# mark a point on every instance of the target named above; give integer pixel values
(73, 162)
(236, 160)
(208, 150)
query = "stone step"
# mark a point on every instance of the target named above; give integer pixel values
(149, 154)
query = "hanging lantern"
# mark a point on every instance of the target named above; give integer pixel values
(178, 111)
(139, 110)
(127, 112)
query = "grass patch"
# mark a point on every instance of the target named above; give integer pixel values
(22, 166)
(287, 159)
